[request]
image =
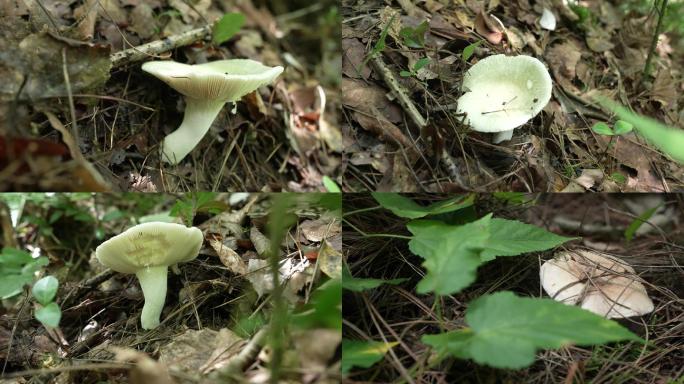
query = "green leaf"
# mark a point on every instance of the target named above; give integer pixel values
(414, 37)
(227, 27)
(357, 285)
(621, 127)
(12, 285)
(668, 139)
(516, 198)
(506, 330)
(602, 129)
(45, 289)
(404, 207)
(14, 257)
(405, 74)
(469, 50)
(452, 253)
(164, 217)
(363, 353)
(49, 315)
(618, 177)
(421, 63)
(113, 215)
(511, 238)
(379, 46)
(325, 308)
(330, 185)
(638, 222)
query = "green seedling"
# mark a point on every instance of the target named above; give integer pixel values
(413, 71)
(414, 37)
(47, 311)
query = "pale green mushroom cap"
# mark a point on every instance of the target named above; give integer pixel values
(150, 245)
(504, 92)
(226, 80)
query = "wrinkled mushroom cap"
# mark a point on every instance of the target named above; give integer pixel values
(600, 283)
(150, 245)
(504, 92)
(226, 80)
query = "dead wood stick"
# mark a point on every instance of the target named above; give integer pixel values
(154, 48)
(410, 108)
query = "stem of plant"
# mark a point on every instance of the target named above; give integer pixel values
(364, 234)
(654, 42)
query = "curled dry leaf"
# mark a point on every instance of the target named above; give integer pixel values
(489, 27)
(229, 257)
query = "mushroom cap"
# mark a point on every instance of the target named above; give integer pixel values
(150, 245)
(504, 92)
(226, 80)
(600, 283)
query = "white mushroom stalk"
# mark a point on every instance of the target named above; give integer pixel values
(207, 87)
(599, 283)
(504, 92)
(147, 250)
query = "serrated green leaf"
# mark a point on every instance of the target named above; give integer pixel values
(638, 222)
(404, 207)
(49, 315)
(469, 50)
(357, 285)
(507, 330)
(602, 129)
(512, 238)
(452, 253)
(45, 289)
(227, 27)
(363, 353)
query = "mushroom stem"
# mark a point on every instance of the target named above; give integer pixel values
(199, 114)
(153, 284)
(502, 136)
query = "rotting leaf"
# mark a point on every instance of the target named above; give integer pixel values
(36, 59)
(330, 261)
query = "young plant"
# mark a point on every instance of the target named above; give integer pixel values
(17, 269)
(47, 311)
(417, 66)
(504, 330)
(414, 37)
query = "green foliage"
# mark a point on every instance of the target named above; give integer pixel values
(16, 270)
(325, 308)
(621, 127)
(506, 330)
(380, 45)
(362, 354)
(227, 27)
(414, 37)
(404, 207)
(49, 315)
(638, 222)
(515, 198)
(357, 285)
(45, 289)
(453, 253)
(195, 202)
(469, 50)
(416, 67)
(670, 140)
(330, 185)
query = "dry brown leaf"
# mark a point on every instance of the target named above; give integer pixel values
(145, 370)
(489, 27)
(229, 257)
(330, 261)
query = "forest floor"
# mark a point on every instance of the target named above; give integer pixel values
(219, 311)
(396, 313)
(66, 95)
(403, 64)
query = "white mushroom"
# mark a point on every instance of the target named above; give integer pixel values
(147, 250)
(207, 87)
(600, 283)
(503, 93)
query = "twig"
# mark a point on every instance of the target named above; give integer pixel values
(399, 92)
(249, 352)
(86, 286)
(70, 95)
(141, 52)
(654, 42)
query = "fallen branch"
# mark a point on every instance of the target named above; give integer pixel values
(154, 48)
